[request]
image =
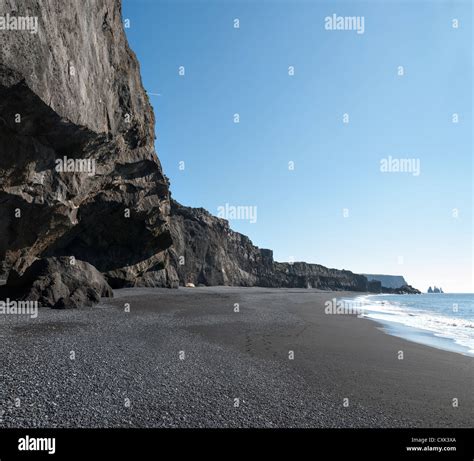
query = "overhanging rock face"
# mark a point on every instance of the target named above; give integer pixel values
(78, 171)
(79, 176)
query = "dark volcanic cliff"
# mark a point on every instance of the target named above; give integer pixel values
(206, 251)
(388, 281)
(74, 90)
(71, 94)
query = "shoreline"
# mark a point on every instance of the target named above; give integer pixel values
(190, 358)
(419, 335)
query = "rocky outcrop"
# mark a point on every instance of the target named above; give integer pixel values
(403, 290)
(392, 284)
(59, 283)
(79, 176)
(78, 171)
(305, 275)
(206, 251)
(388, 281)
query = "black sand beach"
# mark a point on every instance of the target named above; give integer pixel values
(129, 369)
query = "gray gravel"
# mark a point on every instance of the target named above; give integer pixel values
(133, 358)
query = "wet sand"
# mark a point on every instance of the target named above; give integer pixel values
(193, 358)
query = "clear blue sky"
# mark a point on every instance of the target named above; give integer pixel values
(299, 118)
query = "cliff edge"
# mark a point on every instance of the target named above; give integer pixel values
(80, 182)
(78, 171)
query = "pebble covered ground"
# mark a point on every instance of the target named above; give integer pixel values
(154, 367)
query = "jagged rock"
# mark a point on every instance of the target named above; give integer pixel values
(160, 274)
(72, 94)
(305, 275)
(74, 90)
(403, 290)
(408, 289)
(57, 283)
(206, 251)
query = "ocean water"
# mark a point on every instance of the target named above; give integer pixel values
(445, 321)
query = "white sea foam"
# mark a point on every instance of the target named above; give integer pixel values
(454, 328)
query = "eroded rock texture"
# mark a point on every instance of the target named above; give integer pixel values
(73, 93)
(59, 283)
(206, 251)
(74, 90)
